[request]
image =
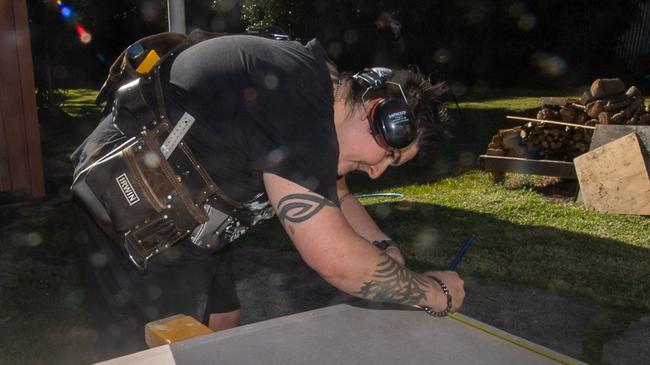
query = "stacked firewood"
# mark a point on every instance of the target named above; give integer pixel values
(535, 140)
(607, 102)
(564, 126)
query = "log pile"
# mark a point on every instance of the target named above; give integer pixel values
(564, 126)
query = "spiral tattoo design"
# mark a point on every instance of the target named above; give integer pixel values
(394, 283)
(297, 208)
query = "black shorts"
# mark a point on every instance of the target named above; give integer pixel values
(184, 279)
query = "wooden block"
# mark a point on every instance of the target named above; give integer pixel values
(498, 164)
(495, 152)
(607, 133)
(556, 101)
(586, 98)
(172, 329)
(607, 87)
(614, 177)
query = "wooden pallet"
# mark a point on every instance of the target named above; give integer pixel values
(499, 165)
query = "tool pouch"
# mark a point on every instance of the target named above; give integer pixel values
(143, 200)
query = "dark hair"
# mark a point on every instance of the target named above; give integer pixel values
(432, 117)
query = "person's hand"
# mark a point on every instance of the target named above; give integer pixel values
(455, 285)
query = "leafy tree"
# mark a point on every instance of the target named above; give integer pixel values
(497, 41)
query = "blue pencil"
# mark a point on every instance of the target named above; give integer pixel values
(459, 255)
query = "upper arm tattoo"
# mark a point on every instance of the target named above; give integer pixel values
(297, 208)
(394, 283)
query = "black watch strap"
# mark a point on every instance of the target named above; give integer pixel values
(384, 244)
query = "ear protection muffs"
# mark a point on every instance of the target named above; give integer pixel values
(391, 123)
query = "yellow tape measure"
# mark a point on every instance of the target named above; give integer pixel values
(541, 350)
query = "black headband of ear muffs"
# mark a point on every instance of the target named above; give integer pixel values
(392, 124)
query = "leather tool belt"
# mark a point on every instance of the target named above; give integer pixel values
(147, 201)
(140, 199)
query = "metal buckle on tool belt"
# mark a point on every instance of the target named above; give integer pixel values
(218, 231)
(226, 224)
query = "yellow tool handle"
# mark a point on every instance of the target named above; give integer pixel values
(148, 63)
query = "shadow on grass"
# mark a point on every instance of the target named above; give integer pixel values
(575, 271)
(608, 271)
(542, 256)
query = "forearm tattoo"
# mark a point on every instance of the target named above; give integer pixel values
(297, 208)
(394, 283)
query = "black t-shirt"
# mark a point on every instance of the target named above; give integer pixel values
(260, 105)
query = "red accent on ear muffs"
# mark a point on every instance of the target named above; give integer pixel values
(375, 125)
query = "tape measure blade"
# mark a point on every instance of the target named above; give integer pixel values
(176, 135)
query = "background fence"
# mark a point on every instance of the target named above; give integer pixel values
(20, 149)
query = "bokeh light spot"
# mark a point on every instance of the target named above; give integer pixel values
(350, 36)
(278, 155)
(152, 312)
(224, 6)
(442, 55)
(98, 259)
(278, 280)
(516, 9)
(250, 94)
(459, 88)
(550, 65)
(383, 210)
(480, 86)
(150, 11)
(466, 159)
(154, 292)
(426, 242)
(334, 50)
(74, 299)
(526, 22)
(271, 82)
(33, 239)
(86, 38)
(218, 24)
(151, 160)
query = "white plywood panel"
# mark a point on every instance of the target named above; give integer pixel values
(346, 334)
(614, 177)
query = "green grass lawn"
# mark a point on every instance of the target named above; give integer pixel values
(525, 238)
(62, 135)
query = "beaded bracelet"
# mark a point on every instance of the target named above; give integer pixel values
(444, 312)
